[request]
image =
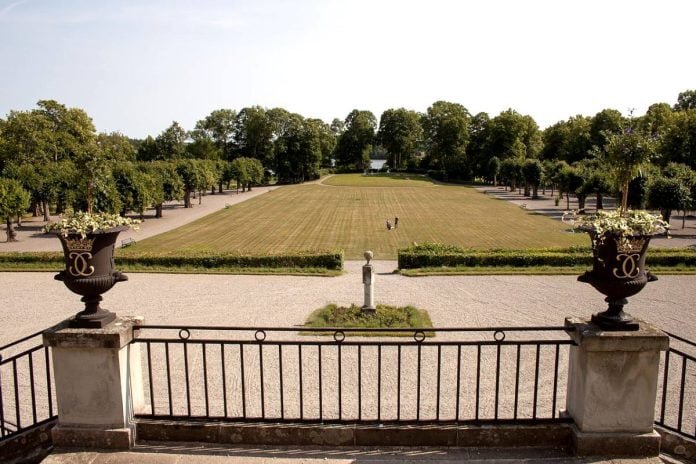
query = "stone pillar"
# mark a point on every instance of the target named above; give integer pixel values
(369, 280)
(612, 389)
(98, 384)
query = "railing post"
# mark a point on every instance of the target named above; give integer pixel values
(98, 384)
(612, 389)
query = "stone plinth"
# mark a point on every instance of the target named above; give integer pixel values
(98, 382)
(612, 388)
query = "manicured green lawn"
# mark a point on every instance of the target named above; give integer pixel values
(352, 217)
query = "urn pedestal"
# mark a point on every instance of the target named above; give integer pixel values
(89, 271)
(618, 271)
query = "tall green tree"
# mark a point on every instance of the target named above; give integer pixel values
(400, 133)
(219, 128)
(354, 145)
(253, 135)
(512, 134)
(606, 122)
(686, 101)
(14, 200)
(446, 136)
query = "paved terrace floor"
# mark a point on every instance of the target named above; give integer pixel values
(202, 454)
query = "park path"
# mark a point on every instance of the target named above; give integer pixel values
(31, 238)
(545, 204)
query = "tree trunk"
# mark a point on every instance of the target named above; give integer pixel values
(567, 202)
(19, 220)
(684, 219)
(581, 201)
(212, 190)
(600, 202)
(526, 189)
(187, 198)
(158, 211)
(552, 189)
(200, 197)
(46, 215)
(666, 214)
(495, 181)
(535, 192)
(11, 234)
(249, 187)
(34, 208)
(220, 187)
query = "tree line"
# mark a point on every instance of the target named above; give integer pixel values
(53, 159)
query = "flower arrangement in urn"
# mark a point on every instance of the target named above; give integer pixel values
(88, 241)
(620, 238)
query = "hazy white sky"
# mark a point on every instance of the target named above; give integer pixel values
(137, 65)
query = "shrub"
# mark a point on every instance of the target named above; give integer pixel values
(441, 255)
(332, 260)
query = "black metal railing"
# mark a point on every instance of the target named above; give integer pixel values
(321, 375)
(676, 405)
(26, 386)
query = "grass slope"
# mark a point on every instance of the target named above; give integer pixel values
(352, 217)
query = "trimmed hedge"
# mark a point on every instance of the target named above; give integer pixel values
(332, 260)
(442, 255)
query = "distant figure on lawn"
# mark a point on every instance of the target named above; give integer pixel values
(396, 222)
(389, 224)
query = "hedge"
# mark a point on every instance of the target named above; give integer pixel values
(332, 260)
(442, 255)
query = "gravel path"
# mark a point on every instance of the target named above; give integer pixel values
(30, 237)
(679, 237)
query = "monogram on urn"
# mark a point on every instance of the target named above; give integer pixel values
(88, 243)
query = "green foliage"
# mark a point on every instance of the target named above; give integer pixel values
(390, 317)
(84, 223)
(315, 260)
(14, 200)
(686, 101)
(446, 134)
(400, 132)
(354, 145)
(668, 194)
(428, 256)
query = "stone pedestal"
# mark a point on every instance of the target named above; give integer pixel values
(612, 388)
(98, 383)
(368, 282)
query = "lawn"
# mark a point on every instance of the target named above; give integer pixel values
(343, 213)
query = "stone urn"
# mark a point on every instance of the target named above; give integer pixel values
(618, 271)
(89, 271)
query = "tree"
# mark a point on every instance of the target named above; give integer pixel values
(493, 169)
(625, 153)
(137, 189)
(400, 133)
(14, 200)
(167, 181)
(511, 172)
(195, 177)
(686, 101)
(571, 181)
(219, 128)
(40, 180)
(297, 151)
(171, 143)
(533, 171)
(511, 134)
(605, 123)
(253, 135)
(327, 140)
(657, 121)
(446, 136)
(354, 145)
(247, 171)
(668, 194)
(679, 143)
(116, 147)
(567, 140)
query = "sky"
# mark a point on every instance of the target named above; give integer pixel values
(136, 66)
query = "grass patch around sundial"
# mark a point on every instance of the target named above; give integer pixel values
(385, 317)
